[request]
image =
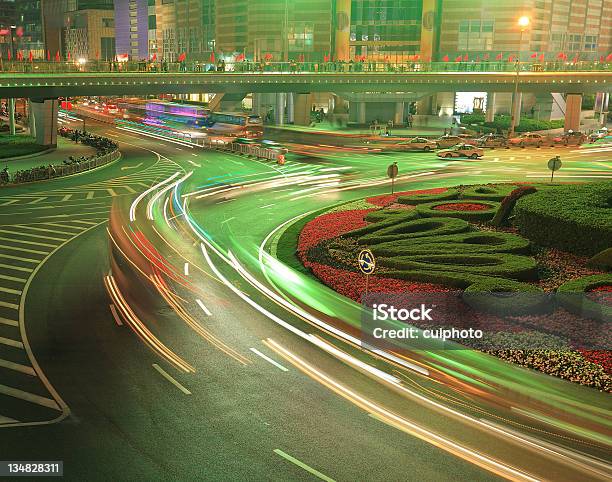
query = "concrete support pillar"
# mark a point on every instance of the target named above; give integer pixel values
(256, 104)
(301, 109)
(490, 108)
(343, 29)
(398, 118)
(602, 101)
(11, 116)
(43, 121)
(361, 112)
(279, 109)
(517, 102)
(573, 108)
(290, 108)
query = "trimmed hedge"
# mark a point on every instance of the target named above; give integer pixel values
(451, 193)
(576, 218)
(502, 265)
(474, 242)
(489, 192)
(602, 260)
(508, 203)
(428, 210)
(414, 229)
(571, 296)
(394, 215)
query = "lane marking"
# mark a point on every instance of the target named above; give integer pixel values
(302, 465)
(111, 192)
(115, 315)
(131, 167)
(195, 164)
(6, 321)
(12, 201)
(9, 342)
(18, 367)
(27, 260)
(165, 374)
(90, 195)
(43, 230)
(129, 189)
(22, 241)
(204, 309)
(7, 420)
(36, 201)
(186, 269)
(12, 278)
(228, 220)
(10, 291)
(13, 306)
(29, 397)
(267, 206)
(66, 197)
(25, 250)
(268, 359)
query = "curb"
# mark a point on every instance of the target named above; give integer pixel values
(27, 156)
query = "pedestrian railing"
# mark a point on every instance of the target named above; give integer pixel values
(53, 171)
(251, 67)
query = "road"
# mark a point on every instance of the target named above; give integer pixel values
(255, 400)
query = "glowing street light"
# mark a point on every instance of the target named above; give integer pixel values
(523, 22)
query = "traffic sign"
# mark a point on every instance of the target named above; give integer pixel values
(392, 173)
(554, 164)
(366, 261)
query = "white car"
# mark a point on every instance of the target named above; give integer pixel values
(462, 150)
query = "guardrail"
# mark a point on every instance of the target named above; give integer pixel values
(44, 67)
(53, 171)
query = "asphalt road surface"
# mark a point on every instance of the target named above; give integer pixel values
(250, 399)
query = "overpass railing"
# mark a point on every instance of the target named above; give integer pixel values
(298, 67)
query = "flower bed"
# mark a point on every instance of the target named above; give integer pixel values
(461, 207)
(387, 199)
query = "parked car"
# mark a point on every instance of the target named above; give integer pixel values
(528, 139)
(449, 140)
(570, 138)
(492, 140)
(462, 150)
(598, 134)
(416, 144)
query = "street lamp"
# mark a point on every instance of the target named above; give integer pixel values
(523, 23)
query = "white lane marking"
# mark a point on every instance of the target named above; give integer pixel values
(66, 197)
(12, 306)
(90, 195)
(32, 228)
(18, 367)
(228, 220)
(267, 206)
(115, 315)
(178, 149)
(194, 154)
(16, 268)
(23, 241)
(195, 164)
(167, 376)
(29, 397)
(131, 167)
(36, 201)
(10, 291)
(25, 250)
(268, 359)
(203, 306)
(186, 269)
(302, 465)
(12, 201)
(7, 420)
(6, 321)
(9, 342)
(18, 258)
(111, 191)
(129, 189)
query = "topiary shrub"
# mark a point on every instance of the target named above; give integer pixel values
(452, 193)
(571, 295)
(394, 215)
(413, 229)
(508, 203)
(485, 212)
(602, 260)
(575, 218)
(489, 192)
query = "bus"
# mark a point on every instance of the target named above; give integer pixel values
(235, 124)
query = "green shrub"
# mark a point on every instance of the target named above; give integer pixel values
(452, 193)
(414, 229)
(490, 192)
(508, 203)
(395, 215)
(571, 296)
(575, 218)
(473, 242)
(428, 210)
(496, 264)
(602, 260)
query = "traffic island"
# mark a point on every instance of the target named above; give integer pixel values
(540, 303)
(18, 146)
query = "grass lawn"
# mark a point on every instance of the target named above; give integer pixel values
(18, 145)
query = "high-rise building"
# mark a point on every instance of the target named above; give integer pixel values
(90, 30)
(185, 26)
(8, 19)
(53, 25)
(29, 31)
(132, 28)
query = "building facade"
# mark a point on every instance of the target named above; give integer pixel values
(132, 28)
(89, 33)
(29, 31)
(8, 19)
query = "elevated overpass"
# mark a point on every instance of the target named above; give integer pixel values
(53, 85)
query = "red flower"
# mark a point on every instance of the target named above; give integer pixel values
(387, 199)
(461, 207)
(601, 357)
(329, 226)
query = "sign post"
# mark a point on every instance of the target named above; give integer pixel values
(392, 173)
(554, 164)
(367, 265)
